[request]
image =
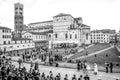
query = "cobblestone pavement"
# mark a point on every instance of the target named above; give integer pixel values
(70, 72)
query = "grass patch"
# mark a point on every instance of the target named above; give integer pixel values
(92, 49)
(110, 55)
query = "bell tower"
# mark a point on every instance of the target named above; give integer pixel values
(18, 17)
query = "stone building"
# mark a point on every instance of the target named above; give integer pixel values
(67, 30)
(9, 43)
(70, 30)
(18, 17)
(103, 36)
(39, 38)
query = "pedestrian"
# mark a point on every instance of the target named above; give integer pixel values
(47, 78)
(66, 77)
(106, 66)
(51, 77)
(26, 77)
(95, 69)
(88, 68)
(9, 77)
(80, 78)
(84, 67)
(111, 67)
(86, 77)
(81, 66)
(2, 73)
(74, 77)
(36, 77)
(50, 72)
(36, 66)
(43, 76)
(57, 77)
(78, 66)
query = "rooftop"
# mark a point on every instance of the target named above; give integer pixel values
(18, 4)
(62, 14)
(17, 39)
(37, 33)
(40, 22)
(78, 18)
(1, 27)
(84, 25)
(41, 33)
(50, 31)
(105, 31)
(41, 41)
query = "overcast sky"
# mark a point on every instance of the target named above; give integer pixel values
(99, 14)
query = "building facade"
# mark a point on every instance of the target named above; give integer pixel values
(103, 36)
(18, 17)
(17, 44)
(9, 43)
(38, 37)
(66, 30)
(40, 26)
(35, 36)
(5, 35)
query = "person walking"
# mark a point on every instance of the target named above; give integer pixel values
(78, 66)
(66, 77)
(80, 78)
(106, 66)
(111, 67)
(86, 77)
(88, 68)
(85, 67)
(95, 69)
(74, 77)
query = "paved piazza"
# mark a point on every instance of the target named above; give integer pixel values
(70, 72)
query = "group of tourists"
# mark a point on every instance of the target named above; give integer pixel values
(86, 67)
(8, 71)
(109, 67)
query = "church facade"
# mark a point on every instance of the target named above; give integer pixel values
(67, 30)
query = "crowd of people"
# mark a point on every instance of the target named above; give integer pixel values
(8, 71)
(109, 67)
(51, 59)
(86, 67)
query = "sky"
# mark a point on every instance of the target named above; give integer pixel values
(99, 14)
